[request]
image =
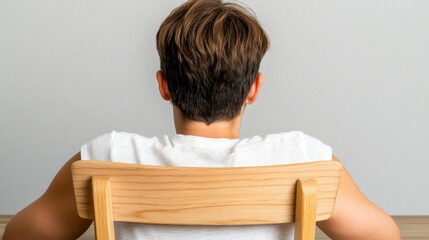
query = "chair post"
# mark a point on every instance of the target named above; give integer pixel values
(103, 214)
(305, 215)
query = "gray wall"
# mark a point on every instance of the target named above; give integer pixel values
(351, 73)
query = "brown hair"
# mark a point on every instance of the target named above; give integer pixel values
(210, 52)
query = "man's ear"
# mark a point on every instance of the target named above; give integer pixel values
(254, 89)
(162, 86)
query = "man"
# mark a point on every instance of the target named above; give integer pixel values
(210, 53)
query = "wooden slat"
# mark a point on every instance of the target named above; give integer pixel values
(103, 208)
(305, 218)
(143, 193)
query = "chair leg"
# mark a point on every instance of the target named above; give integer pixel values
(103, 214)
(305, 214)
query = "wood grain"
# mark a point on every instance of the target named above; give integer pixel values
(413, 227)
(305, 226)
(206, 196)
(103, 208)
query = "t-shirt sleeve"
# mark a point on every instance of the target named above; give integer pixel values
(100, 148)
(314, 149)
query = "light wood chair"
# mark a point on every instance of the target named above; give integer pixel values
(109, 191)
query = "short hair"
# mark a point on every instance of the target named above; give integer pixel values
(210, 52)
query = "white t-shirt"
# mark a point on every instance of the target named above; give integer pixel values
(192, 151)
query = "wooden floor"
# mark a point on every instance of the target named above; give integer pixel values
(412, 227)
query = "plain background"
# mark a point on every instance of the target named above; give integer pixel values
(352, 73)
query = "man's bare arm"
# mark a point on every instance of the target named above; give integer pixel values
(53, 215)
(355, 217)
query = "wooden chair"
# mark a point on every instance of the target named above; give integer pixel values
(109, 191)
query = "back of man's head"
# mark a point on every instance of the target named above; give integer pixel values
(210, 53)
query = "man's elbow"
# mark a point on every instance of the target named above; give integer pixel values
(12, 231)
(393, 232)
(387, 230)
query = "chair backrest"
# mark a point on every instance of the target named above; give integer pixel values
(110, 191)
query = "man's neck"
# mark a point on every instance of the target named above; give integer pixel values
(219, 129)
